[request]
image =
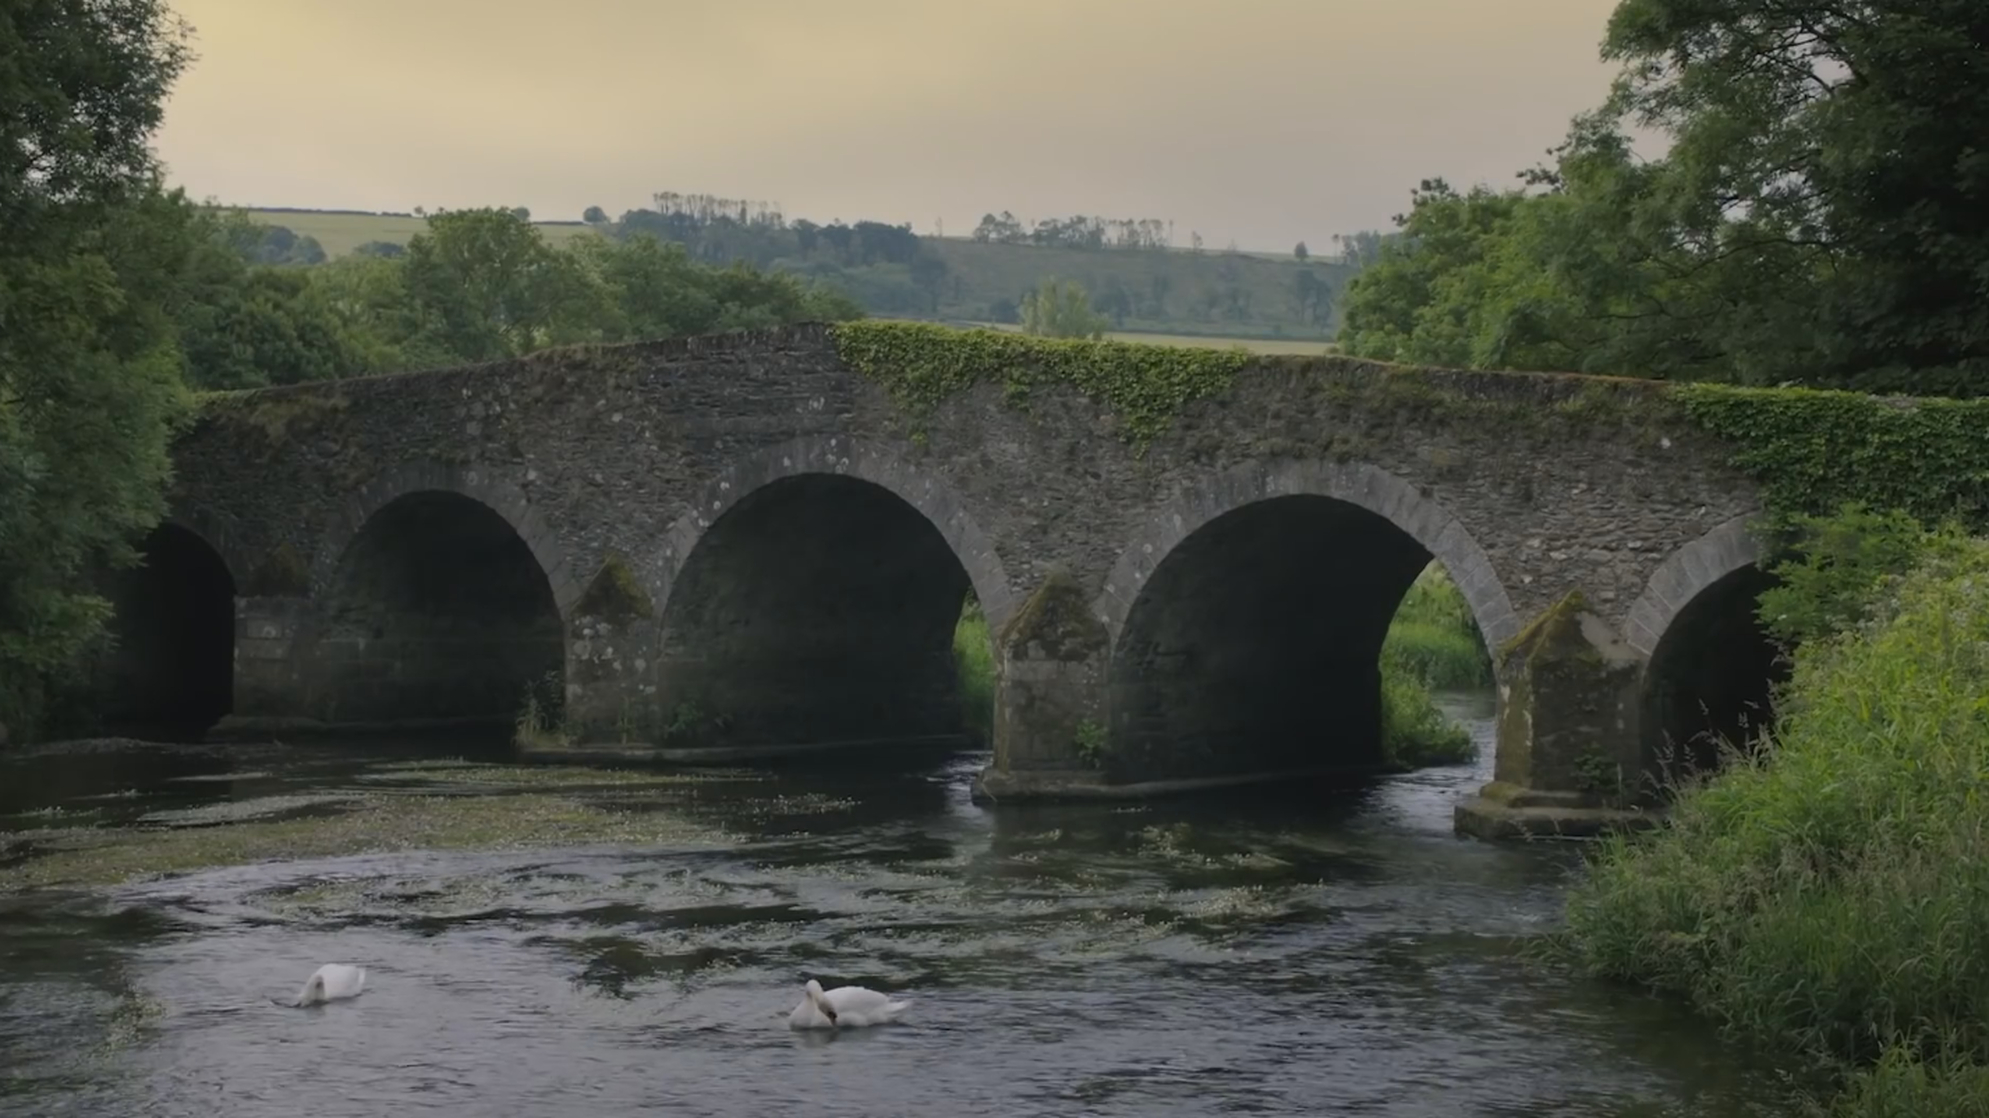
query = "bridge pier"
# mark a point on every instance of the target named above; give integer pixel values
(1051, 661)
(1570, 750)
(268, 688)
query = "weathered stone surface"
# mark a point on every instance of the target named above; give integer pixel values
(1569, 696)
(1279, 522)
(1051, 657)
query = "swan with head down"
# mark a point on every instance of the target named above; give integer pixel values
(843, 1007)
(331, 982)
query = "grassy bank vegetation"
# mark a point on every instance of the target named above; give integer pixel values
(1435, 638)
(973, 654)
(1433, 643)
(1831, 893)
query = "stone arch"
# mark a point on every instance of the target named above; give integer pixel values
(1683, 575)
(214, 531)
(171, 666)
(497, 488)
(439, 595)
(1710, 669)
(812, 596)
(1356, 483)
(1247, 619)
(923, 490)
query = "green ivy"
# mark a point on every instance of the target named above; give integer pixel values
(1145, 386)
(1814, 451)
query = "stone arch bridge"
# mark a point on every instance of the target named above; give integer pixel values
(742, 540)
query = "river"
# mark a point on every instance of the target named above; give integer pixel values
(1307, 954)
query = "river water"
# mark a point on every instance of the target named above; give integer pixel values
(1313, 954)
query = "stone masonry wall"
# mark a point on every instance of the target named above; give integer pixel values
(1562, 482)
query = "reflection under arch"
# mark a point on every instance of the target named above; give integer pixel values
(172, 667)
(436, 609)
(818, 608)
(1255, 644)
(1710, 683)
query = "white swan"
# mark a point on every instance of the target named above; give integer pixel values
(851, 1006)
(330, 983)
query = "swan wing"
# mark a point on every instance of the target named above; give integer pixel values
(856, 999)
(342, 981)
(856, 1005)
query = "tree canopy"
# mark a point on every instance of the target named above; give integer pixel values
(91, 249)
(1821, 216)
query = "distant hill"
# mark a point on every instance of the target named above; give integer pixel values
(1175, 292)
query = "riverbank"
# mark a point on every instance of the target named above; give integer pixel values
(1831, 895)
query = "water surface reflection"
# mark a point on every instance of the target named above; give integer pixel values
(1306, 954)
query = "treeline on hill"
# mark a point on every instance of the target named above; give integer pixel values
(1125, 267)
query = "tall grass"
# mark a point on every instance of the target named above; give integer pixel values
(973, 657)
(1415, 734)
(1432, 643)
(1435, 637)
(1831, 893)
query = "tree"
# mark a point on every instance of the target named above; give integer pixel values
(1822, 216)
(89, 374)
(655, 290)
(486, 286)
(247, 325)
(595, 215)
(1359, 250)
(929, 275)
(1312, 297)
(1301, 252)
(522, 213)
(1061, 310)
(1844, 145)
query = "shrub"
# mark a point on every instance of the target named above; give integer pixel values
(1414, 733)
(1832, 893)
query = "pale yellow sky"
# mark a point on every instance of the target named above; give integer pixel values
(1262, 121)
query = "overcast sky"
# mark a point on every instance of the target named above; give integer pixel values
(1261, 121)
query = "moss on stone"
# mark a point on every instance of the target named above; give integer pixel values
(1145, 386)
(272, 412)
(1055, 623)
(1813, 450)
(282, 573)
(1554, 636)
(614, 593)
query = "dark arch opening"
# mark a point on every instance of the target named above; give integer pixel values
(1255, 645)
(1710, 681)
(438, 612)
(172, 668)
(818, 609)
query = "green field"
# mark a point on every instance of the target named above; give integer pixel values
(1300, 347)
(987, 272)
(340, 233)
